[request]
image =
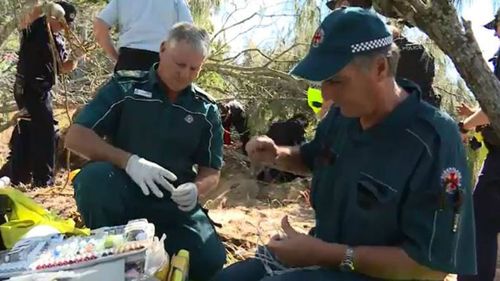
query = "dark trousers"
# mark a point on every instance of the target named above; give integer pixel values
(106, 196)
(487, 216)
(32, 142)
(135, 59)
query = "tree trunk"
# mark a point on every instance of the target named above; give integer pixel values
(440, 21)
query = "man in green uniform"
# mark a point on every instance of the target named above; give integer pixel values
(390, 189)
(165, 151)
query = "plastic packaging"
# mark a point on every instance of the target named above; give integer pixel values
(157, 259)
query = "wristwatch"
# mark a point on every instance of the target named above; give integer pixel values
(461, 128)
(347, 264)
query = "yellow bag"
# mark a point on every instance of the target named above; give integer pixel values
(26, 214)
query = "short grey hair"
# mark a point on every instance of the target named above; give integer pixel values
(391, 53)
(197, 37)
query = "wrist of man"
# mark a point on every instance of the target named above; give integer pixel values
(122, 160)
(201, 191)
(330, 255)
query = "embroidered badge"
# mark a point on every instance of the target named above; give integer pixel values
(318, 37)
(451, 179)
(189, 118)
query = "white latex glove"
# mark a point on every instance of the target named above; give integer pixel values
(186, 196)
(53, 10)
(149, 176)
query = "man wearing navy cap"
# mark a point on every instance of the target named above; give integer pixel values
(487, 190)
(390, 189)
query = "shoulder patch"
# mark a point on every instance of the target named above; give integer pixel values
(199, 92)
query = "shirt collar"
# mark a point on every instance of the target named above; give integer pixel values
(399, 118)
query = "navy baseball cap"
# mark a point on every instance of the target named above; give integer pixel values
(343, 34)
(69, 11)
(493, 24)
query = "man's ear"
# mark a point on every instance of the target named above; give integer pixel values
(381, 68)
(162, 47)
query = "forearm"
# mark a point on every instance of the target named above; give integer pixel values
(206, 180)
(378, 262)
(478, 118)
(290, 160)
(88, 144)
(103, 38)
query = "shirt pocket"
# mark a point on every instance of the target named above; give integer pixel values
(373, 193)
(372, 212)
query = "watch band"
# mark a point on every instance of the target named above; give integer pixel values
(347, 264)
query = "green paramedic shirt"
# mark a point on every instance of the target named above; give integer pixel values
(402, 183)
(136, 115)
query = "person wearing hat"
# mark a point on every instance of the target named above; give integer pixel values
(334, 4)
(142, 27)
(32, 142)
(390, 184)
(487, 190)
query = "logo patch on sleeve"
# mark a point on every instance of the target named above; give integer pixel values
(451, 179)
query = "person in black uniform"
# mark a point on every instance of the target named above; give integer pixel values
(416, 64)
(233, 115)
(32, 142)
(487, 190)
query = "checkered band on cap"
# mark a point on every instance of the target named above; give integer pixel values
(371, 45)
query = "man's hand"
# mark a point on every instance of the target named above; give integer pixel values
(262, 149)
(464, 110)
(53, 10)
(295, 249)
(77, 54)
(186, 196)
(149, 175)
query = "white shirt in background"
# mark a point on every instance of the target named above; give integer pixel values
(144, 24)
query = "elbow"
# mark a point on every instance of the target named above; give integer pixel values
(216, 181)
(438, 276)
(425, 273)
